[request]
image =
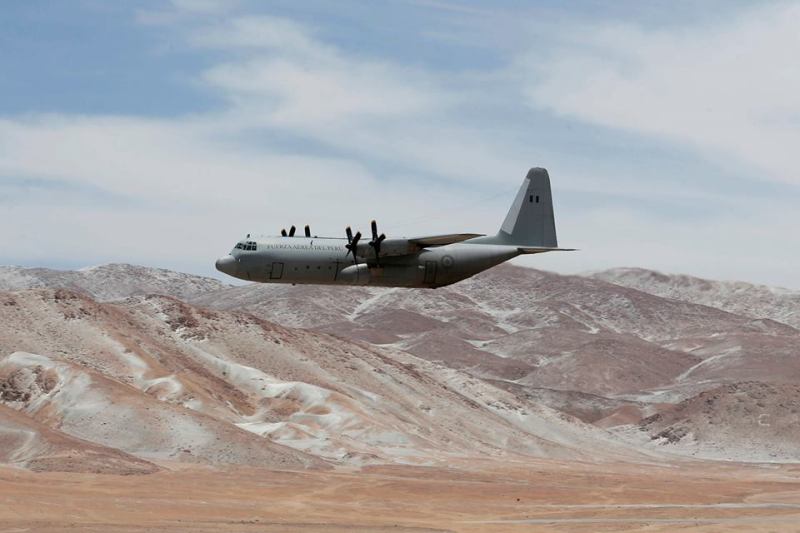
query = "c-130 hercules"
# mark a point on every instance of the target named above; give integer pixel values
(430, 262)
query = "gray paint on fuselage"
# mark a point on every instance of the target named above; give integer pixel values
(430, 261)
(322, 260)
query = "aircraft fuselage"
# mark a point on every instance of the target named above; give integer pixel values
(326, 261)
(425, 261)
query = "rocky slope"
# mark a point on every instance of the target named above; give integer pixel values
(514, 362)
(543, 330)
(166, 381)
(605, 352)
(748, 420)
(27, 443)
(746, 299)
(109, 282)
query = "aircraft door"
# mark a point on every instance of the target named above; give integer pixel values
(430, 272)
(277, 271)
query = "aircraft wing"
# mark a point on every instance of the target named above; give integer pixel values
(402, 246)
(441, 240)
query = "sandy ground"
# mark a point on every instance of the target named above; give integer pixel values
(534, 496)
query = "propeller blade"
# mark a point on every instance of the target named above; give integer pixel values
(352, 246)
(376, 241)
(291, 231)
(349, 234)
(283, 232)
(308, 231)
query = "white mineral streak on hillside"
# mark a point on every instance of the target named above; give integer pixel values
(747, 299)
(162, 380)
(91, 407)
(109, 282)
(512, 363)
(533, 331)
(24, 442)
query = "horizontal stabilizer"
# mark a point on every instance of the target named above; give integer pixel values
(542, 249)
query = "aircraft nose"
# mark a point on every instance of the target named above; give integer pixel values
(227, 265)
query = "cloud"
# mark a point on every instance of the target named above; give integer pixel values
(282, 77)
(311, 132)
(208, 178)
(728, 91)
(300, 81)
(204, 6)
(165, 161)
(260, 32)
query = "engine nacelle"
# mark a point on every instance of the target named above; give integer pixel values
(356, 274)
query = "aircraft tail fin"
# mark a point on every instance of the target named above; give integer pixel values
(530, 222)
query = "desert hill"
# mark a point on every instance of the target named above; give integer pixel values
(543, 330)
(748, 419)
(515, 362)
(166, 381)
(746, 299)
(115, 281)
(27, 443)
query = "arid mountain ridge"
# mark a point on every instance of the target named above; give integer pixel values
(146, 366)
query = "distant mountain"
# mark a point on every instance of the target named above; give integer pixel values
(746, 299)
(109, 282)
(543, 330)
(514, 362)
(166, 381)
(607, 353)
(747, 420)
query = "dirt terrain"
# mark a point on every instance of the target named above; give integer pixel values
(136, 399)
(469, 497)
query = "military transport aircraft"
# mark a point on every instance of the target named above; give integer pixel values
(431, 261)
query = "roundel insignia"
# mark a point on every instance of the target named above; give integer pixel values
(448, 261)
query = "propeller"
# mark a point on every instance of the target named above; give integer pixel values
(308, 230)
(291, 231)
(376, 241)
(352, 242)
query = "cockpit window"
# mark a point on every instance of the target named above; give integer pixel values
(239, 245)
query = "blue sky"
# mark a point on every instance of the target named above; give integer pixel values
(159, 133)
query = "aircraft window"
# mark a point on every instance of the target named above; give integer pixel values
(537, 199)
(239, 245)
(530, 198)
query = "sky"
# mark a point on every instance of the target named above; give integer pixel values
(160, 133)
